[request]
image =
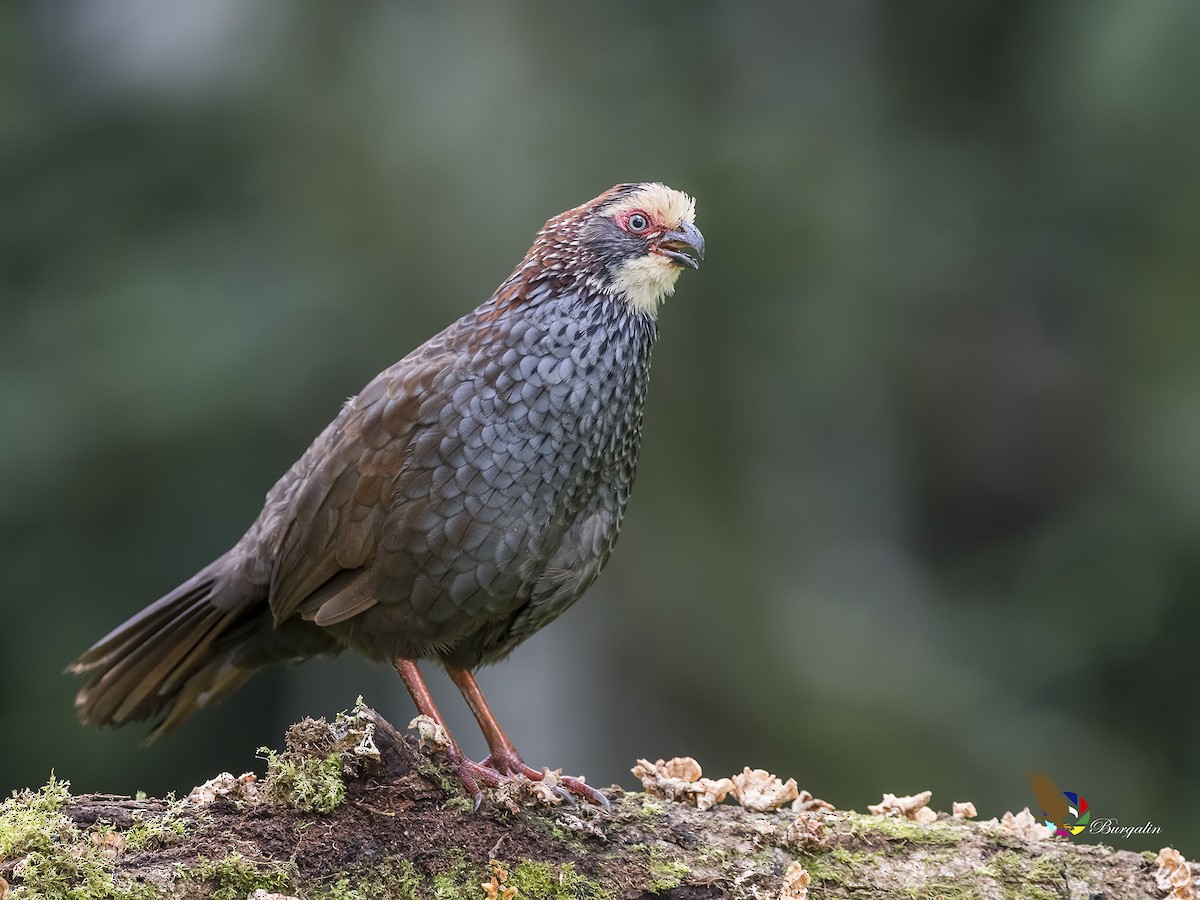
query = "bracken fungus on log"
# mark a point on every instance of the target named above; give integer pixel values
(352, 810)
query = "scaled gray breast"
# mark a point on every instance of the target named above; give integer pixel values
(516, 442)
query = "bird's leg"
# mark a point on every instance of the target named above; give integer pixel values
(467, 771)
(503, 758)
(502, 755)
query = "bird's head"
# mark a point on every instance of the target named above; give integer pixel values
(631, 242)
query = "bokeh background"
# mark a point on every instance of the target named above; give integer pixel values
(919, 501)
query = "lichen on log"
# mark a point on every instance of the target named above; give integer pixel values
(353, 809)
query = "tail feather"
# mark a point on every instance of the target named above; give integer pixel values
(147, 621)
(114, 696)
(212, 625)
(161, 668)
(211, 683)
(167, 660)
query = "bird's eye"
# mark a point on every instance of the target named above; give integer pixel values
(638, 223)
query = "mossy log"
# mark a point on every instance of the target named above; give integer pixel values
(355, 809)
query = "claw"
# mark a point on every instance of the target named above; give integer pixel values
(503, 764)
(469, 774)
(493, 772)
(510, 765)
(587, 792)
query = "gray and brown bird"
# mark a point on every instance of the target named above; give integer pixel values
(464, 499)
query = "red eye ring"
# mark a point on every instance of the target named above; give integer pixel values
(637, 222)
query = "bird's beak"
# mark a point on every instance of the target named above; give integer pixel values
(684, 245)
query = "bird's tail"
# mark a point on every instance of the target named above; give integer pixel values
(169, 660)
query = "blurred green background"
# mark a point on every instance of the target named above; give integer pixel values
(919, 501)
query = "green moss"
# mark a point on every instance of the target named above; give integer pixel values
(30, 820)
(447, 887)
(850, 864)
(714, 855)
(456, 800)
(837, 866)
(57, 860)
(536, 880)
(393, 879)
(60, 861)
(820, 869)
(1023, 879)
(651, 807)
(147, 833)
(852, 859)
(311, 783)
(549, 881)
(1004, 865)
(234, 877)
(664, 872)
(433, 771)
(942, 890)
(1031, 892)
(1046, 869)
(73, 873)
(460, 880)
(903, 830)
(310, 774)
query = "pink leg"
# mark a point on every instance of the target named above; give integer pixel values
(503, 759)
(411, 676)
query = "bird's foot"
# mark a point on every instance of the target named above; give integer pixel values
(507, 768)
(510, 764)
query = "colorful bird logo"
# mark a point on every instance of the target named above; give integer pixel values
(1059, 808)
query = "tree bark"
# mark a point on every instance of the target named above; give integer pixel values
(356, 810)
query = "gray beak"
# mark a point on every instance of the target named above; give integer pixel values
(684, 245)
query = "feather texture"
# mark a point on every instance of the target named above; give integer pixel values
(463, 499)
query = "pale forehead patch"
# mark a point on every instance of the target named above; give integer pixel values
(669, 205)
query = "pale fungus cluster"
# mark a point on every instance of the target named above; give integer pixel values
(430, 733)
(914, 808)
(681, 779)
(1173, 875)
(795, 883)
(1024, 825)
(235, 789)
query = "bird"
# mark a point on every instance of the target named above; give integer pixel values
(461, 501)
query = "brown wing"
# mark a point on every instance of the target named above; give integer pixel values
(331, 506)
(1049, 797)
